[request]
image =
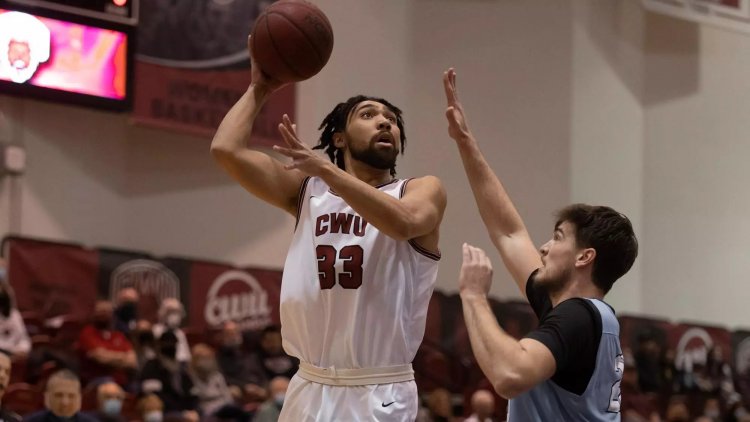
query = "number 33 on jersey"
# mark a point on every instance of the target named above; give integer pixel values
(350, 294)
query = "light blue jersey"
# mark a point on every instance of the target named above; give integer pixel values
(548, 402)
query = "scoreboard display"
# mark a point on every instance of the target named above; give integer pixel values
(117, 11)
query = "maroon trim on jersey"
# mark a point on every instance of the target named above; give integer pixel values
(301, 199)
(429, 254)
(376, 187)
(435, 256)
(403, 187)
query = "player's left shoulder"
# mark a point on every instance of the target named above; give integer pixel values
(429, 185)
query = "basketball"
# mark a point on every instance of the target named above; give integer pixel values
(292, 40)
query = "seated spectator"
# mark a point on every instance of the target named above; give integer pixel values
(126, 310)
(274, 361)
(270, 410)
(109, 398)
(252, 371)
(210, 386)
(13, 336)
(5, 369)
(241, 370)
(104, 351)
(439, 406)
(482, 407)
(144, 343)
(677, 410)
(637, 406)
(168, 378)
(151, 408)
(171, 313)
(712, 409)
(62, 399)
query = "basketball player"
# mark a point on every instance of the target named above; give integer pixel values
(363, 260)
(570, 367)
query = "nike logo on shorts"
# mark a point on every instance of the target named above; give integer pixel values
(386, 405)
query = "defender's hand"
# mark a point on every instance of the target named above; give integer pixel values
(475, 278)
(458, 129)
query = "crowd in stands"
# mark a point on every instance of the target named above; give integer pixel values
(117, 367)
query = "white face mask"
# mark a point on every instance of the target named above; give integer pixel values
(173, 320)
(153, 416)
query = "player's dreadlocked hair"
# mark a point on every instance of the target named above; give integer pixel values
(336, 120)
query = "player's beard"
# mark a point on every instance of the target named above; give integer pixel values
(379, 158)
(552, 282)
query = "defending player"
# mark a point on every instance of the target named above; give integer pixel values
(570, 367)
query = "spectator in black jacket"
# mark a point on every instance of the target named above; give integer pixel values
(169, 379)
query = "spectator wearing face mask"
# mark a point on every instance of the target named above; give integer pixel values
(171, 313)
(104, 351)
(270, 410)
(151, 408)
(109, 397)
(13, 336)
(169, 379)
(126, 311)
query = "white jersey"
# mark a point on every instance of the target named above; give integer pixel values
(352, 297)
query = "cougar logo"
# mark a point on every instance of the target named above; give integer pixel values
(237, 296)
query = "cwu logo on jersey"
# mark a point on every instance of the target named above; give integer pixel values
(237, 296)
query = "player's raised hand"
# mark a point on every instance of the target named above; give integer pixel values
(458, 129)
(475, 278)
(259, 78)
(303, 157)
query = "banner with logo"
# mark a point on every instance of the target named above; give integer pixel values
(152, 278)
(221, 293)
(52, 279)
(193, 65)
(693, 343)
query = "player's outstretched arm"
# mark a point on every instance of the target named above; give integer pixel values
(512, 366)
(505, 226)
(416, 215)
(262, 175)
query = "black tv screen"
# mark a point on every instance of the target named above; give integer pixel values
(66, 58)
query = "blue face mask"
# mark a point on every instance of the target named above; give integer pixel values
(153, 416)
(112, 407)
(279, 398)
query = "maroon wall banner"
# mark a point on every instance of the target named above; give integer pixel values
(195, 101)
(634, 331)
(52, 279)
(154, 279)
(220, 293)
(693, 343)
(193, 65)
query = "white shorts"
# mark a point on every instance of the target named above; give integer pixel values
(307, 401)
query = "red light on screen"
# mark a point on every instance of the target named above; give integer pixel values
(120, 2)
